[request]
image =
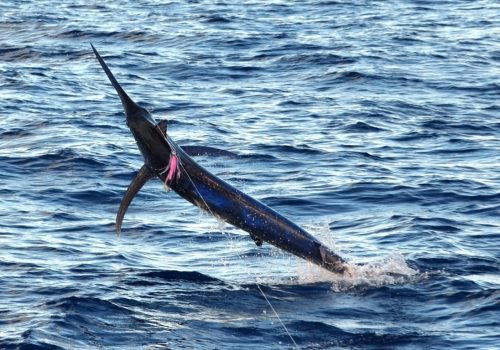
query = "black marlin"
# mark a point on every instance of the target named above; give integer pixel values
(165, 160)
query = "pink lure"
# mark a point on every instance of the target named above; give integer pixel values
(172, 168)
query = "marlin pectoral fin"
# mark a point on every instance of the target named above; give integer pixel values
(256, 239)
(135, 186)
(207, 151)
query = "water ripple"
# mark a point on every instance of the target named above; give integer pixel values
(372, 124)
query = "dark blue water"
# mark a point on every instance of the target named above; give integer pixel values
(373, 124)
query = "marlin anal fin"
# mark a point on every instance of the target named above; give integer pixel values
(140, 179)
(207, 151)
(256, 239)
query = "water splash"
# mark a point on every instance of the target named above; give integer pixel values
(289, 270)
(393, 269)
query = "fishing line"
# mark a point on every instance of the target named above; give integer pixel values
(241, 258)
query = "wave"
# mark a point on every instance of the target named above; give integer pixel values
(132, 35)
(58, 160)
(324, 335)
(362, 127)
(327, 59)
(16, 54)
(181, 276)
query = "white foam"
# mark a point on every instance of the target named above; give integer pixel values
(391, 270)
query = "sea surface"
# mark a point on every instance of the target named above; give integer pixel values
(375, 125)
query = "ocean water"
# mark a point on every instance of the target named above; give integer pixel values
(373, 124)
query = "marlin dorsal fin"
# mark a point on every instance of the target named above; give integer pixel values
(194, 151)
(135, 186)
(162, 124)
